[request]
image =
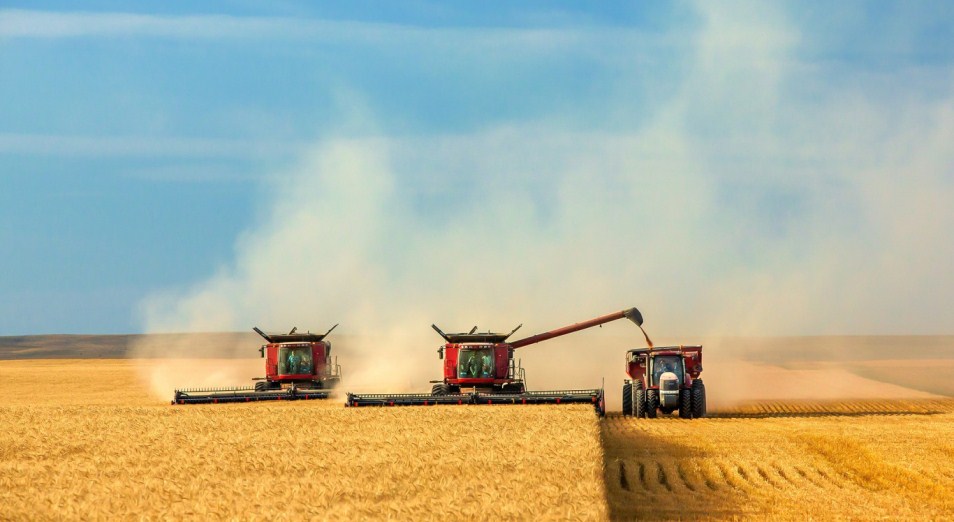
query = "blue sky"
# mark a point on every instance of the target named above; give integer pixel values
(151, 160)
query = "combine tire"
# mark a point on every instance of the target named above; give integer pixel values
(439, 389)
(639, 400)
(698, 399)
(685, 404)
(261, 386)
(652, 403)
(627, 399)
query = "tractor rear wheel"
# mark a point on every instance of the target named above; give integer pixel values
(652, 403)
(439, 389)
(261, 386)
(685, 404)
(627, 399)
(639, 400)
(698, 399)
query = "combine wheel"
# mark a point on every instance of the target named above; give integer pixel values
(698, 399)
(261, 386)
(639, 400)
(439, 389)
(652, 403)
(627, 399)
(685, 404)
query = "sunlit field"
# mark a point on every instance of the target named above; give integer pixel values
(796, 461)
(126, 456)
(93, 444)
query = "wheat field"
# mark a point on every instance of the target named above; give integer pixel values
(130, 457)
(93, 445)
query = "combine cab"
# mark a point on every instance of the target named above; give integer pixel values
(479, 368)
(297, 366)
(664, 379)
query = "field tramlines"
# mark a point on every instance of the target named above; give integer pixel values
(859, 459)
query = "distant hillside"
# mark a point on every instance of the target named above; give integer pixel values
(771, 350)
(115, 346)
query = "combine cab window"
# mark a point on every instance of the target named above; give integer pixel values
(294, 360)
(667, 363)
(476, 364)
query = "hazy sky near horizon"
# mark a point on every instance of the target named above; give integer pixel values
(729, 167)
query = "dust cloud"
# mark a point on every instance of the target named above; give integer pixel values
(736, 206)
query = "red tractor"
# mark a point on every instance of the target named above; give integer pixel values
(297, 366)
(479, 368)
(664, 379)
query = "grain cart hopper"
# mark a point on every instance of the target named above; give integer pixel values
(479, 368)
(297, 366)
(664, 379)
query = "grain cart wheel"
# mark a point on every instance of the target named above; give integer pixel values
(639, 400)
(652, 403)
(261, 386)
(698, 399)
(627, 399)
(439, 389)
(685, 403)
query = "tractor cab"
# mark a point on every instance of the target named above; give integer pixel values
(663, 364)
(650, 364)
(664, 379)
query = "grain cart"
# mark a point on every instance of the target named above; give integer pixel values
(479, 368)
(297, 366)
(664, 379)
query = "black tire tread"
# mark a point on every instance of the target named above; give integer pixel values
(639, 400)
(627, 399)
(698, 399)
(685, 403)
(652, 403)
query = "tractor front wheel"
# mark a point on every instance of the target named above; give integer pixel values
(685, 404)
(639, 400)
(652, 403)
(698, 399)
(439, 389)
(261, 386)
(627, 399)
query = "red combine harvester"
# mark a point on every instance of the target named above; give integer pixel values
(664, 379)
(479, 368)
(297, 366)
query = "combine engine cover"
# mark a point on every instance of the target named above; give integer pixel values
(594, 397)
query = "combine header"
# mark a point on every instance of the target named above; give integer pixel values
(298, 366)
(479, 368)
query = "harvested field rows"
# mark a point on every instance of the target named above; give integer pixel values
(860, 459)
